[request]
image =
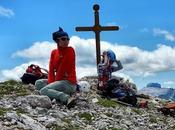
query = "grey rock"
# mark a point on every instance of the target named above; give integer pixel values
(31, 123)
(42, 114)
(39, 101)
(12, 115)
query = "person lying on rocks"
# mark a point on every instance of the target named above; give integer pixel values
(61, 82)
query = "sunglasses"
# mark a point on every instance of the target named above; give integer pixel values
(62, 39)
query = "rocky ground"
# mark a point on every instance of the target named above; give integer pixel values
(22, 108)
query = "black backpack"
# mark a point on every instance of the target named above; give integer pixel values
(33, 73)
(116, 89)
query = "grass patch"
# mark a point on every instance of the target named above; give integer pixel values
(3, 111)
(164, 119)
(70, 126)
(76, 127)
(109, 114)
(173, 127)
(86, 116)
(137, 111)
(151, 106)
(107, 103)
(115, 129)
(153, 119)
(10, 82)
(20, 111)
(68, 121)
(58, 128)
(12, 87)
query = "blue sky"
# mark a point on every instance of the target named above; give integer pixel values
(144, 43)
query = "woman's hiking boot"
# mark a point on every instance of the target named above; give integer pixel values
(71, 102)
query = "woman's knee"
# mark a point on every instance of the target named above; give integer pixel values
(44, 91)
(39, 84)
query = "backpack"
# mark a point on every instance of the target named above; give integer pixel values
(110, 86)
(168, 109)
(116, 88)
(33, 73)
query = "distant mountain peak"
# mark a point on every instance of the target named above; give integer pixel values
(155, 85)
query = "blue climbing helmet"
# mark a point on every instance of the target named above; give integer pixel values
(111, 55)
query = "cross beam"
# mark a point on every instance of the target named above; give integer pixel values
(97, 28)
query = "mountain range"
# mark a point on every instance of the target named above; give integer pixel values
(164, 93)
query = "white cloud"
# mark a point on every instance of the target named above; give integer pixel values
(6, 12)
(167, 35)
(135, 61)
(18, 71)
(169, 82)
(37, 51)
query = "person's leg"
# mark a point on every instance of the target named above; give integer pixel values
(40, 83)
(60, 90)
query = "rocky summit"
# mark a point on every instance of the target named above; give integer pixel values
(22, 108)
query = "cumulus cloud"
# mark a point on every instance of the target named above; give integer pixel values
(149, 62)
(135, 61)
(18, 71)
(6, 12)
(167, 35)
(37, 51)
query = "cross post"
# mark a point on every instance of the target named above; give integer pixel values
(97, 28)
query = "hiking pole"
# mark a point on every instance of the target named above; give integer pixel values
(123, 103)
(45, 70)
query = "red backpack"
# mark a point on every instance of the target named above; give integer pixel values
(34, 69)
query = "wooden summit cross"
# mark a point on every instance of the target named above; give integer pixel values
(97, 28)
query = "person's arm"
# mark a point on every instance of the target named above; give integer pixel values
(119, 65)
(51, 73)
(66, 65)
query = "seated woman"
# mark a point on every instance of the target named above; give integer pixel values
(108, 64)
(61, 82)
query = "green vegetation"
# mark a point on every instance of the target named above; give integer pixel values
(107, 103)
(58, 128)
(152, 119)
(164, 119)
(74, 128)
(3, 111)
(173, 127)
(138, 111)
(86, 116)
(12, 87)
(69, 128)
(68, 121)
(109, 114)
(115, 129)
(20, 111)
(10, 82)
(151, 106)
